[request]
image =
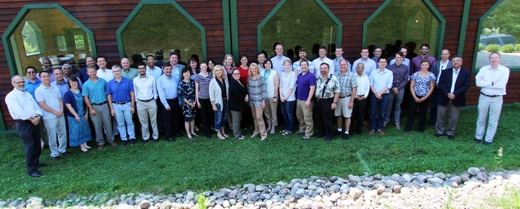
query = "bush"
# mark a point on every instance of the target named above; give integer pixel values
(508, 48)
(517, 47)
(493, 48)
(480, 47)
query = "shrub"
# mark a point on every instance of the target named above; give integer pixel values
(480, 47)
(517, 47)
(493, 48)
(508, 48)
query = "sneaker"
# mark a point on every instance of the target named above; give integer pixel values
(306, 138)
(397, 126)
(487, 143)
(299, 132)
(345, 136)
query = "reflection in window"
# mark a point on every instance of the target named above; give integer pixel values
(161, 27)
(79, 42)
(408, 21)
(293, 27)
(32, 38)
(500, 32)
(62, 45)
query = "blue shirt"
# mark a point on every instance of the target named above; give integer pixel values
(379, 80)
(336, 64)
(177, 72)
(120, 91)
(51, 96)
(278, 63)
(296, 66)
(31, 87)
(369, 64)
(303, 84)
(63, 87)
(96, 92)
(156, 72)
(167, 89)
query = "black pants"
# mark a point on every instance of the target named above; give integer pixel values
(358, 115)
(423, 107)
(171, 118)
(433, 110)
(206, 113)
(324, 117)
(31, 143)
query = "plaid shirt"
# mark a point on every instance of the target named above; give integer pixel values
(347, 81)
(331, 88)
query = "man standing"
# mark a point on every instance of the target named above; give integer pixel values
(380, 82)
(94, 94)
(437, 69)
(146, 93)
(369, 65)
(323, 59)
(406, 61)
(361, 100)
(33, 82)
(26, 114)
(306, 84)
(327, 94)
(67, 74)
(278, 58)
(303, 56)
(492, 79)
(103, 72)
(416, 61)
(151, 69)
(453, 84)
(339, 57)
(176, 67)
(90, 62)
(47, 66)
(395, 97)
(377, 53)
(127, 71)
(120, 96)
(60, 82)
(348, 91)
(50, 101)
(167, 89)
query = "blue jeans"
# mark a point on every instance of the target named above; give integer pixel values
(221, 116)
(124, 114)
(378, 109)
(288, 114)
(394, 100)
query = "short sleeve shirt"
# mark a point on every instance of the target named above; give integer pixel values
(422, 84)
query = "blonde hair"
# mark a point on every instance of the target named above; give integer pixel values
(217, 68)
(287, 60)
(225, 58)
(253, 65)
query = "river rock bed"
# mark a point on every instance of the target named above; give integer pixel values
(470, 189)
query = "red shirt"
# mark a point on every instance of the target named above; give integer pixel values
(244, 73)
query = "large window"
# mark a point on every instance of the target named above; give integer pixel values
(500, 32)
(61, 43)
(32, 39)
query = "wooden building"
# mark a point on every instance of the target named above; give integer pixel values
(212, 28)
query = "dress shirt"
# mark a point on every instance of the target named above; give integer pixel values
(296, 66)
(145, 88)
(442, 67)
(416, 63)
(51, 96)
(130, 74)
(105, 74)
(96, 92)
(363, 85)
(156, 72)
(326, 91)
(375, 59)
(347, 81)
(317, 62)
(370, 66)
(492, 81)
(21, 105)
(63, 87)
(120, 90)
(379, 80)
(167, 87)
(278, 63)
(336, 64)
(405, 61)
(454, 79)
(177, 72)
(401, 75)
(31, 87)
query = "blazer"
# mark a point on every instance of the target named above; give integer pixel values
(237, 94)
(436, 65)
(461, 86)
(215, 93)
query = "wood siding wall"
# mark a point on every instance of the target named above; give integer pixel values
(105, 17)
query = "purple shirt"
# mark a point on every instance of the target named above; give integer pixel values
(303, 84)
(415, 66)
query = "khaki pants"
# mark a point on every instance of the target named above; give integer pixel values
(270, 112)
(259, 121)
(304, 116)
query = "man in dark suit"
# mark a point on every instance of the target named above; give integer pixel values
(452, 96)
(436, 69)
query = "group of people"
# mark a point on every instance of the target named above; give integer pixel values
(208, 95)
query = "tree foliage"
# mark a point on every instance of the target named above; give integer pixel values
(504, 19)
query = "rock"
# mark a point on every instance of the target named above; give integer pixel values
(252, 197)
(110, 202)
(260, 204)
(354, 179)
(407, 177)
(3, 203)
(456, 179)
(405, 191)
(378, 176)
(259, 188)
(207, 193)
(334, 197)
(429, 172)
(36, 201)
(464, 177)
(233, 194)
(190, 195)
(514, 178)
(311, 187)
(435, 180)
(473, 171)
(333, 188)
(144, 204)
(289, 199)
(232, 201)
(397, 189)
(390, 183)
(354, 193)
(482, 176)
(380, 190)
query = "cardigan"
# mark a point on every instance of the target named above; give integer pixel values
(215, 93)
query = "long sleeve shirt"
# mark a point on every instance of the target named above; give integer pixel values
(379, 80)
(492, 81)
(145, 88)
(363, 85)
(401, 75)
(21, 105)
(167, 87)
(370, 66)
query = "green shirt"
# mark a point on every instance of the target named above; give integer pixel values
(131, 74)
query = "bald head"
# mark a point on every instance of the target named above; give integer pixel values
(125, 63)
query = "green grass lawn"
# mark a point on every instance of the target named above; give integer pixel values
(211, 164)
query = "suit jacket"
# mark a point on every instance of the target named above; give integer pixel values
(436, 65)
(461, 86)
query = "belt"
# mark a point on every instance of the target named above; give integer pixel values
(341, 97)
(224, 98)
(322, 99)
(384, 94)
(362, 95)
(146, 100)
(101, 103)
(173, 99)
(120, 103)
(491, 96)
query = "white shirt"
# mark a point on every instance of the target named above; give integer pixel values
(145, 88)
(21, 105)
(492, 81)
(363, 85)
(105, 74)
(317, 62)
(441, 68)
(370, 65)
(454, 79)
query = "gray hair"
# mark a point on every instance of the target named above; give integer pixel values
(66, 65)
(116, 66)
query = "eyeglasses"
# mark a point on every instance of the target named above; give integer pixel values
(141, 68)
(31, 72)
(236, 73)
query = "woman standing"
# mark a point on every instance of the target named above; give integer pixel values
(79, 130)
(202, 96)
(194, 68)
(237, 101)
(211, 65)
(271, 80)
(186, 92)
(287, 96)
(218, 92)
(243, 68)
(421, 87)
(229, 65)
(257, 96)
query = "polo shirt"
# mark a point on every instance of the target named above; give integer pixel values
(120, 91)
(303, 84)
(131, 74)
(51, 96)
(31, 87)
(96, 91)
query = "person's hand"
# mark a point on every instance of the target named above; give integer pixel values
(113, 112)
(417, 100)
(350, 105)
(58, 113)
(307, 104)
(451, 96)
(215, 108)
(77, 118)
(274, 100)
(86, 116)
(333, 106)
(263, 104)
(168, 108)
(35, 120)
(92, 111)
(132, 110)
(198, 105)
(395, 90)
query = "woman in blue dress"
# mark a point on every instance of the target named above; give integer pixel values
(77, 116)
(187, 93)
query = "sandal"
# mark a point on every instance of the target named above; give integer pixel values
(286, 133)
(220, 136)
(223, 134)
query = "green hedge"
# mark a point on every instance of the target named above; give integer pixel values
(508, 48)
(493, 48)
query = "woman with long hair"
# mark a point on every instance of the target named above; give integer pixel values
(243, 68)
(287, 96)
(270, 77)
(218, 92)
(257, 96)
(422, 84)
(229, 65)
(77, 116)
(237, 100)
(202, 81)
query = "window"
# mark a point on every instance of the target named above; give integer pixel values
(61, 43)
(79, 42)
(32, 39)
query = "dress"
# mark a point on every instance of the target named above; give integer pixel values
(187, 91)
(79, 132)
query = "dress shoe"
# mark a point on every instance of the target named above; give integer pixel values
(56, 159)
(170, 139)
(133, 141)
(328, 139)
(487, 143)
(125, 143)
(100, 147)
(338, 132)
(41, 165)
(345, 136)
(431, 123)
(66, 154)
(306, 138)
(319, 136)
(299, 132)
(478, 140)
(177, 134)
(145, 141)
(451, 137)
(371, 132)
(113, 143)
(407, 130)
(438, 135)
(381, 132)
(35, 174)
(155, 140)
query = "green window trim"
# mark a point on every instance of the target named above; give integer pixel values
(339, 29)
(155, 2)
(39, 38)
(463, 27)
(433, 10)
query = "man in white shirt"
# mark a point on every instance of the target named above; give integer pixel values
(323, 59)
(492, 79)
(26, 114)
(278, 58)
(103, 72)
(146, 93)
(369, 65)
(360, 104)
